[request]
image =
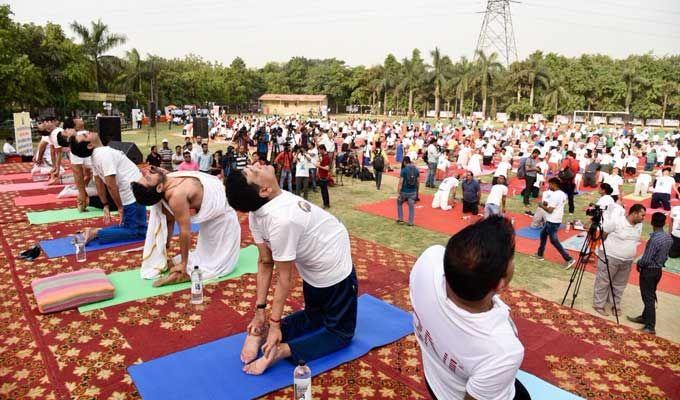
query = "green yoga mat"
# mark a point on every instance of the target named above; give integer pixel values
(63, 215)
(673, 265)
(130, 286)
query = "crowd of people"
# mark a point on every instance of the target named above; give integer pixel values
(269, 166)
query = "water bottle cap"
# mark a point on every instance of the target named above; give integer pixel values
(195, 266)
(301, 362)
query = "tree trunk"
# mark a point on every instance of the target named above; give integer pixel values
(519, 93)
(437, 100)
(96, 74)
(531, 97)
(629, 97)
(462, 105)
(410, 102)
(493, 108)
(663, 110)
(483, 105)
(385, 103)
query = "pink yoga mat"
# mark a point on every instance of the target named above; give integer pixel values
(15, 177)
(18, 187)
(50, 198)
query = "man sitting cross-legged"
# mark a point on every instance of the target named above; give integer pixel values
(290, 231)
(114, 173)
(175, 197)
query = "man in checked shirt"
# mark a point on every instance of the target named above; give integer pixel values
(649, 267)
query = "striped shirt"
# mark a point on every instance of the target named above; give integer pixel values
(656, 251)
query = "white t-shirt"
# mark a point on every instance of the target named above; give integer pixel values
(8, 149)
(623, 238)
(664, 184)
(644, 179)
(296, 230)
(462, 352)
(502, 169)
(448, 183)
(676, 165)
(107, 161)
(176, 157)
(496, 194)
(675, 217)
(302, 166)
(84, 161)
(555, 199)
(53, 137)
(614, 181)
(443, 163)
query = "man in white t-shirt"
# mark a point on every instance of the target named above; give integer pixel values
(81, 167)
(441, 197)
(290, 232)
(663, 188)
(454, 295)
(675, 232)
(114, 174)
(502, 169)
(616, 182)
(495, 202)
(642, 184)
(553, 205)
(621, 237)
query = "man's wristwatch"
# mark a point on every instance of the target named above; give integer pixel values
(261, 306)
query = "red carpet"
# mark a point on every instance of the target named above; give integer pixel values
(450, 222)
(43, 199)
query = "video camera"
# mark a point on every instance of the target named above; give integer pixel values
(594, 211)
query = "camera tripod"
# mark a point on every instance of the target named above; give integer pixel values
(593, 236)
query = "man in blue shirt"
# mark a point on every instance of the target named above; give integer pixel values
(205, 159)
(471, 194)
(407, 189)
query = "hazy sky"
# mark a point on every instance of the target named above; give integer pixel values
(364, 32)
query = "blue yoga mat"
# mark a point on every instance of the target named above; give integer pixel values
(531, 233)
(540, 389)
(64, 246)
(213, 370)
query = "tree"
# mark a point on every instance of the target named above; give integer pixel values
(95, 42)
(437, 78)
(132, 76)
(667, 89)
(390, 75)
(631, 79)
(488, 68)
(535, 73)
(413, 74)
(556, 92)
(462, 76)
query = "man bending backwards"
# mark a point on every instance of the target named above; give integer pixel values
(290, 231)
(175, 197)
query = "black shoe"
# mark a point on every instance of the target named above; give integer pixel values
(637, 320)
(648, 330)
(529, 213)
(30, 252)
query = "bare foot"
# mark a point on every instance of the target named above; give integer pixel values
(251, 347)
(172, 278)
(260, 365)
(90, 234)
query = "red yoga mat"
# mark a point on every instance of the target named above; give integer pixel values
(19, 187)
(49, 198)
(16, 177)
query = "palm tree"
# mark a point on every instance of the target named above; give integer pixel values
(131, 78)
(556, 92)
(97, 41)
(535, 73)
(631, 79)
(463, 75)
(412, 76)
(667, 88)
(438, 79)
(488, 68)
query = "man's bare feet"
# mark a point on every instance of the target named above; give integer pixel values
(251, 346)
(172, 278)
(90, 234)
(260, 365)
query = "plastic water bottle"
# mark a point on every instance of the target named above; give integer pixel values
(79, 243)
(196, 286)
(512, 221)
(302, 382)
(568, 227)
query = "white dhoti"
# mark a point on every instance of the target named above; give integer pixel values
(219, 233)
(441, 200)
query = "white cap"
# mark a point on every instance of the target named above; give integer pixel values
(164, 141)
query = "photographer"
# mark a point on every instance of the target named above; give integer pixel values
(285, 163)
(302, 164)
(621, 235)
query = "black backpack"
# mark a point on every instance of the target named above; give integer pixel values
(366, 175)
(412, 177)
(379, 162)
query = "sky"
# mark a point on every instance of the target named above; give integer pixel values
(363, 32)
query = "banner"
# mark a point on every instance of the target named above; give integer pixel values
(22, 133)
(502, 117)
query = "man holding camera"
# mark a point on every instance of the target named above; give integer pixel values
(621, 235)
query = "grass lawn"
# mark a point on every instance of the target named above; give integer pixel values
(542, 278)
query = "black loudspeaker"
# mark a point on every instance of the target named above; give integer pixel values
(130, 150)
(152, 113)
(201, 127)
(109, 129)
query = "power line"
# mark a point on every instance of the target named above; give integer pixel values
(605, 14)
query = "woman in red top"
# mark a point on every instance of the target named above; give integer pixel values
(567, 184)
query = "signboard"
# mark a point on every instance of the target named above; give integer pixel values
(22, 133)
(597, 119)
(671, 122)
(562, 119)
(477, 115)
(442, 114)
(502, 117)
(637, 121)
(93, 96)
(538, 117)
(615, 120)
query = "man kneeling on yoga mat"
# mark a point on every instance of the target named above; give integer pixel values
(288, 232)
(113, 172)
(186, 197)
(469, 344)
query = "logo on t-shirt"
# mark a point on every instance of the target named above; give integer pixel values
(304, 206)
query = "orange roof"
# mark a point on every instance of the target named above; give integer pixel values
(293, 97)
